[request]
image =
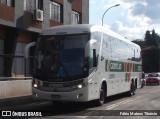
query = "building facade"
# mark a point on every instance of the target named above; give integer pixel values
(21, 21)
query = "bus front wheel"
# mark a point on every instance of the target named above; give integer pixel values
(102, 96)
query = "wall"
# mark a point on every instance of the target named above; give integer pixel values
(7, 13)
(67, 8)
(85, 11)
(77, 5)
(15, 88)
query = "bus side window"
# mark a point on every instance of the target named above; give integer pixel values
(92, 60)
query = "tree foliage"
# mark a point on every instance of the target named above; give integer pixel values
(152, 38)
(150, 51)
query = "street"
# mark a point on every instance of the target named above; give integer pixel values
(146, 98)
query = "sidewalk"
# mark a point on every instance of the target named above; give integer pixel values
(10, 102)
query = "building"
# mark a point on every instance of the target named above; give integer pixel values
(21, 21)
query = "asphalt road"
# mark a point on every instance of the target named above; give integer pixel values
(144, 105)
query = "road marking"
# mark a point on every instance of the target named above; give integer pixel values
(127, 101)
(118, 104)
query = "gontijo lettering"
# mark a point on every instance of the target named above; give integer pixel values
(116, 66)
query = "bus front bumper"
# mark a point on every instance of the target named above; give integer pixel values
(79, 95)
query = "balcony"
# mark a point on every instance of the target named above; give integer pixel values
(54, 23)
(29, 22)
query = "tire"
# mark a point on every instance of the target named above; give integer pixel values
(142, 85)
(136, 84)
(132, 90)
(102, 97)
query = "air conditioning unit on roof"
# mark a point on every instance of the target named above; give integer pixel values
(38, 15)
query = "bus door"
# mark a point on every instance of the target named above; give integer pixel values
(93, 77)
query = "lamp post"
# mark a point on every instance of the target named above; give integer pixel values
(107, 10)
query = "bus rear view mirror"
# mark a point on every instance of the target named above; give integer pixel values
(27, 49)
(92, 44)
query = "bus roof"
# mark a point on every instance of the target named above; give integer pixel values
(67, 29)
(82, 28)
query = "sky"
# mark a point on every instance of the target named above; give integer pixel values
(131, 19)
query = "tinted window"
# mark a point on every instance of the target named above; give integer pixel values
(153, 75)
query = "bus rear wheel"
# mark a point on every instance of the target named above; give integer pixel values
(132, 90)
(102, 97)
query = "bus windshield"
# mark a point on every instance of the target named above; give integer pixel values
(60, 57)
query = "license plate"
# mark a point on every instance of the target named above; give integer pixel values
(56, 96)
(56, 85)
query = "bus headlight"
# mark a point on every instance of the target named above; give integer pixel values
(35, 85)
(79, 86)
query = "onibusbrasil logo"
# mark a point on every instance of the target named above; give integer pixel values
(21, 114)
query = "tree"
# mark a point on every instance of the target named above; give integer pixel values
(150, 59)
(148, 38)
(140, 43)
(154, 38)
(150, 51)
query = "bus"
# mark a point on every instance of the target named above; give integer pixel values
(82, 63)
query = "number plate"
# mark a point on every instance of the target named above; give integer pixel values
(56, 85)
(56, 96)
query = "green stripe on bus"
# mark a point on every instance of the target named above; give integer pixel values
(117, 66)
(138, 68)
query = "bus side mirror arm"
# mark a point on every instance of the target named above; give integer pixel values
(27, 48)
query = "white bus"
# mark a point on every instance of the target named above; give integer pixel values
(84, 62)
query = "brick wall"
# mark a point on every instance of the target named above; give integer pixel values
(77, 5)
(7, 12)
(29, 22)
(58, 1)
